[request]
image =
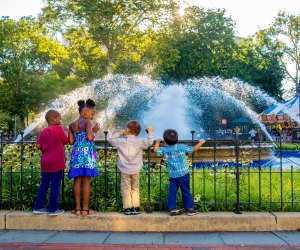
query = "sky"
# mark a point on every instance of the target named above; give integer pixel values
(249, 16)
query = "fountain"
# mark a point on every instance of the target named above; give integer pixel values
(197, 104)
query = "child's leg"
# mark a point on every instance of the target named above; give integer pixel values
(55, 181)
(187, 198)
(77, 193)
(135, 190)
(172, 196)
(126, 190)
(86, 180)
(40, 201)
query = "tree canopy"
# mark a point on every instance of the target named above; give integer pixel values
(283, 36)
(75, 41)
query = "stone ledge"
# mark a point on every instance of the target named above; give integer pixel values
(287, 221)
(2, 219)
(155, 222)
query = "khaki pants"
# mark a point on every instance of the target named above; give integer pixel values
(130, 189)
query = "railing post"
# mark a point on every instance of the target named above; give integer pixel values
(1, 164)
(160, 184)
(237, 173)
(148, 210)
(193, 160)
(105, 168)
(215, 170)
(280, 157)
(259, 166)
(21, 161)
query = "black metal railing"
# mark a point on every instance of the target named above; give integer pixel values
(226, 175)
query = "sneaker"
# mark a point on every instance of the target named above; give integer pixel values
(174, 212)
(127, 211)
(191, 212)
(57, 212)
(40, 211)
(135, 210)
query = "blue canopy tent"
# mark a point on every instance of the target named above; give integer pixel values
(286, 113)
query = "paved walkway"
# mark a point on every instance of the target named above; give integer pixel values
(63, 240)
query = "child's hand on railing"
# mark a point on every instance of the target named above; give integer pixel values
(122, 132)
(96, 127)
(149, 129)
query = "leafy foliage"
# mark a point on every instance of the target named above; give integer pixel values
(73, 42)
(284, 36)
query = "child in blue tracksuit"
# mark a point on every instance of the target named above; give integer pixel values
(178, 170)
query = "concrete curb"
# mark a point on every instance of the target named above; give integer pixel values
(153, 222)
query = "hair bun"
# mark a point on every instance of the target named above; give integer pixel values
(80, 103)
(90, 103)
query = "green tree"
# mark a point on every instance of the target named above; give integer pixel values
(110, 23)
(88, 58)
(27, 52)
(254, 62)
(284, 36)
(200, 43)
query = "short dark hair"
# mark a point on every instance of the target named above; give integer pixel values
(134, 126)
(89, 103)
(51, 114)
(170, 136)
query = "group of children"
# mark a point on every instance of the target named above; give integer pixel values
(83, 163)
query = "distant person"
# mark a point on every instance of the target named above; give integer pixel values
(219, 134)
(130, 162)
(178, 170)
(83, 157)
(51, 142)
(252, 134)
(290, 135)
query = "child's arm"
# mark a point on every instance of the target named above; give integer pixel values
(38, 143)
(113, 140)
(96, 128)
(70, 135)
(199, 144)
(64, 135)
(149, 141)
(156, 146)
(89, 130)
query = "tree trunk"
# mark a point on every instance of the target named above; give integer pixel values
(109, 62)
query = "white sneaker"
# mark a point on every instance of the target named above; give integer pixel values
(57, 212)
(40, 211)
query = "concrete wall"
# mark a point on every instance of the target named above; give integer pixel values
(153, 222)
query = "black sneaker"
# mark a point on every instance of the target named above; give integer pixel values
(174, 212)
(191, 212)
(135, 210)
(127, 211)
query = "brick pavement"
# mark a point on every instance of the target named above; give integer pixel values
(63, 246)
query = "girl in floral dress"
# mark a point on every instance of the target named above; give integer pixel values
(83, 157)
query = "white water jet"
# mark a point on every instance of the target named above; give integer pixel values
(184, 107)
(169, 112)
(113, 90)
(225, 95)
(62, 104)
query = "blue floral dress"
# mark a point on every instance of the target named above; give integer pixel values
(83, 159)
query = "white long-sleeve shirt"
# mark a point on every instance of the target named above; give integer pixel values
(130, 151)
